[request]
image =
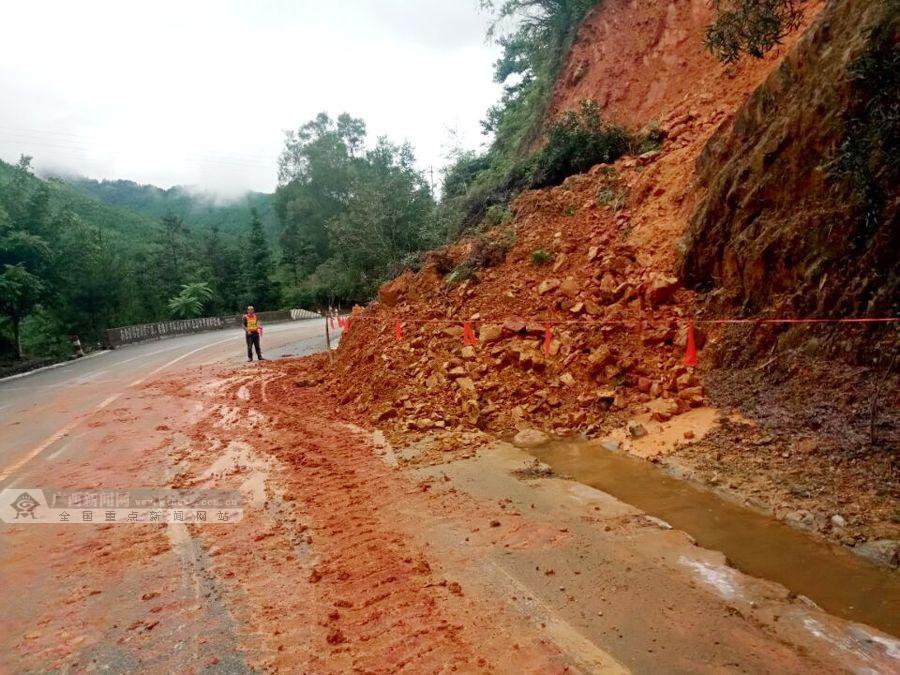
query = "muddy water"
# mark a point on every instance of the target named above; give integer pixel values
(834, 578)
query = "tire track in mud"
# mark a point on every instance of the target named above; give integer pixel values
(329, 573)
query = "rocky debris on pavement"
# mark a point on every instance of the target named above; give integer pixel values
(534, 469)
(618, 320)
(530, 438)
(636, 429)
(883, 551)
(615, 320)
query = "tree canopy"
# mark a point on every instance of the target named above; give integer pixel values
(350, 215)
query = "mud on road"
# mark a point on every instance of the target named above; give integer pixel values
(353, 555)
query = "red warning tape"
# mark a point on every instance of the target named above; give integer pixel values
(690, 357)
(649, 320)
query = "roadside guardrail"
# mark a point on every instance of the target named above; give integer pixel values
(117, 337)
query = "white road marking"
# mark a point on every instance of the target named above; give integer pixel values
(723, 579)
(56, 453)
(65, 430)
(144, 356)
(83, 379)
(8, 471)
(572, 642)
(180, 358)
(50, 386)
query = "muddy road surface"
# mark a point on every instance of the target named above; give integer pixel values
(352, 555)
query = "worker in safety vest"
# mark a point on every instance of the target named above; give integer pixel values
(253, 329)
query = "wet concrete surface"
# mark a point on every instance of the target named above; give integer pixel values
(638, 590)
(831, 576)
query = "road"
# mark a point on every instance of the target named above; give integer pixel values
(42, 412)
(352, 555)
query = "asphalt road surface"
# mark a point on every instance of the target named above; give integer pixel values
(351, 555)
(41, 413)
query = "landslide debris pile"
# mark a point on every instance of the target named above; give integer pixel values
(594, 256)
(618, 324)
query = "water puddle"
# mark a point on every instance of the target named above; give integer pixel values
(837, 580)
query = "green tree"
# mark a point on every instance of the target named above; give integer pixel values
(174, 237)
(387, 219)
(532, 57)
(260, 288)
(222, 263)
(189, 303)
(350, 216)
(534, 36)
(26, 258)
(751, 26)
(90, 273)
(298, 253)
(20, 292)
(315, 173)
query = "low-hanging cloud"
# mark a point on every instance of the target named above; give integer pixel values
(200, 93)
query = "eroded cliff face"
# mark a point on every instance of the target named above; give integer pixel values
(799, 215)
(635, 58)
(642, 60)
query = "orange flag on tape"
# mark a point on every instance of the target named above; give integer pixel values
(398, 330)
(469, 335)
(547, 338)
(690, 355)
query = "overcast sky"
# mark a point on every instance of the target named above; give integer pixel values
(196, 92)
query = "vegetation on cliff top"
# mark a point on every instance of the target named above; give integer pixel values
(751, 26)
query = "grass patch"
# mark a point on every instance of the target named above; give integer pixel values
(612, 196)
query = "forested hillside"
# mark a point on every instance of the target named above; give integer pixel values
(72, 265)
(200, 211)
(132, 225)
(349, 213)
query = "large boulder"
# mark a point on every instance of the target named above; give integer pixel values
(662, 289)
(391, 293)
(881, 551)
(547, 285)
(490, 332)
(530, 438)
